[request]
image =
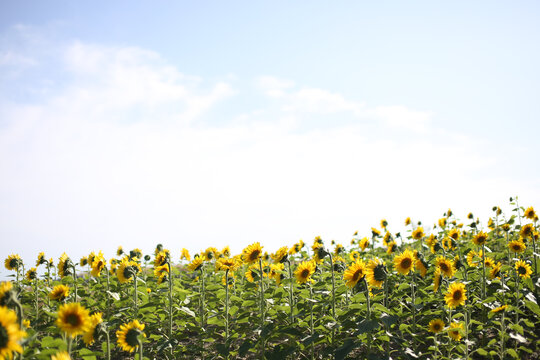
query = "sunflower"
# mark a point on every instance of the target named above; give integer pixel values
(59, 292)
(128, 335)
(418, 233)
(526, 231)
(437, 279)
(529, 213)
(73, 319)
(41, 259)
(119, 251)
(232, 279)
(276, 272)
(376, 272)
(5, 289)
(304, 271)
(495, 270)
(354, 273)
(230, 264)
(364, 242)
(456, 295)
(523, 269)
(31, 274)
(375, 233)
(98, 265)
(384, 223)
(354, 255)
(280, 255)
(480, 238)
(446, 266)
(431, 242)
(185, 255)
(474, 258)
(296, 247)
(436, 326)
(391, 247)
(421, 265)
(387, 238)
(442, 223)
(62, 355)
(252, 274)
(489, 262)
(517, 246)
(491, 224)
(64, 264)
(500, 308)
(408, 221)
(196, 263)
(252, 253)
(404, 262)
(161, 258)
(10, 333)
(449, 243)
(135, 254)
(127, 270)
(83, 261)
(455, 331)
(161, 272)
(91, 333)
(338, 249)
(13, 262)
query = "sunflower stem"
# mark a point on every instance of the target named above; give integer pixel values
(226, 305)
(108, 296)
(333, 296)
(503, 330)
(108, 344)
(413, 299)
(135, 295)
(311, 320)
(75, 281)
(170, 300)
(291, 289)
(139, 342)
(202, 310)
(262, 306)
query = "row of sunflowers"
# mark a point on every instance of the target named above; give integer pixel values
(460, 291)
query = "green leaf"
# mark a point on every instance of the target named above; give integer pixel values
(367, 326)
(512, 353)
(533, 307)
(482, 352)
(344, 350)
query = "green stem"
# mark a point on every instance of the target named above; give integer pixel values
(202, 310)
(75, 281)
(139, 342)
(413, 298)
(291, 295)
(108, 297)
(135, 295)
(503, 330)
(262, 305)
(333, 297)
(108, 345)
(226, 305)
(37, 299)
(170, 300)
(311, 320)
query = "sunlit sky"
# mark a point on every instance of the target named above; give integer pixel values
(197, 124)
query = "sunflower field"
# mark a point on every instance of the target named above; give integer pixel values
(463, 290)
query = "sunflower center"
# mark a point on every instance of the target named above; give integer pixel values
(131, 337)
(73, 320)
(305, 273)
(437, 327)
(444, 267)
(522, 270)
(254, 255)
(127, 272)
(457, 295)
(406, 263)
(4, 337)
(356, 275)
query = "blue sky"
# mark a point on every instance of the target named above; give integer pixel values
(213, 123)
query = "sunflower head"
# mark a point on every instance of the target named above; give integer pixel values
(127, 270)
(436, 326)
(230, 264)
(455, 331)
(41, 259)
(62, 355)
(364, 242)
(376, 272)
(456, 295)
(64, 265)
(529, 213)
(480, 238)
(421, 266)
(408, 221)
(13, 262)
(196, 263)
(523, 269)
(499, 309)
(404, 262)
(354, 273)
(94, 329)
(6, 291)
(495, 270)
(252, 253)
(59, 292)
(384, 223)
(446, 266)
(304, 271)
(437, 280)
(98, 264)
(280, 255)
(276, 272)
(10, 333)
(185, 255)
(31, 274)
(73, 319)
(128, 335)
(392, 246)
(526, 231)
(517, 246)
(442, 222)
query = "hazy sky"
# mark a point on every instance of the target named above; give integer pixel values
(198, 124)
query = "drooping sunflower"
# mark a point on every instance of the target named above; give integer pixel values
(354, 273)
(196, 263)
(421, 265)
(232, 279)
(13, 262)
(59, 292)
(408, 221)
(529, 213)
(304, 271)
(404, 262)
(474, 258)
(354, 255)
(210, 253)
(10, 333)
(161, 258)
(384, 223)
(376, 272)
(91, 333)
(296, 247)
(280, 255)
(135, 254)
(230, 264)
(454, 234)
(98, 265)
(480, 238)
(127, 270)
(446, 266)
(455, 331)
(338, 249)
(442, 222)
(31, 274)
(64, 265)
(418, 233)
(387, 238)
(523, 269)
(432, 243)
(252, 273)
(499, 309)
(73, 319)
(252, 253)
(161, 273)
(456, 295)
(276, 272)
(436, 326)
(185, 255)
(375, 233)
(5, 288)
(437, 279)
(83, 261)
(128, 335)
(449, 244)
(392, 246)
(119, 251)
(495, 270)
(62, 355)
(364, 242)
(526, 231)
(40, 259)
(517, 246)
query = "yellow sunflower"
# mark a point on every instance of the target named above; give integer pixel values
(31, 274)
(455, 331)
(230, 264)
(280, 255)
(517, 246)
(387, 238)
(59, 292)
(128, 335)
(252, 253)
(474, 258)
(523, 269)
(62, 355)
(456, 295)
(354, 273)
(495, 270)
(421, 266)
(489, 262)
(304, 271)
(454, 234)
(119, 251)
(437, 279)
(384, 223)
(526, 231)
(161, 273)
(73, 319)
(418, 233)
(432, 243)
(376, 272)
(10, 333)
(127, 270)
(41, 259)
(5, 289)
(354, 255)
(64, 263)
(442, 222)
(446, 266)
(252, 273)
(480, 238)
(276, 272)
(436, 326)
(185, 255)
(404, 262)
(391, 247)
(98, 264)
(90, 334)
(364, 243)
(338, 249)
(196, 263)
(13, 262)
(408, 221)
(529, 213)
